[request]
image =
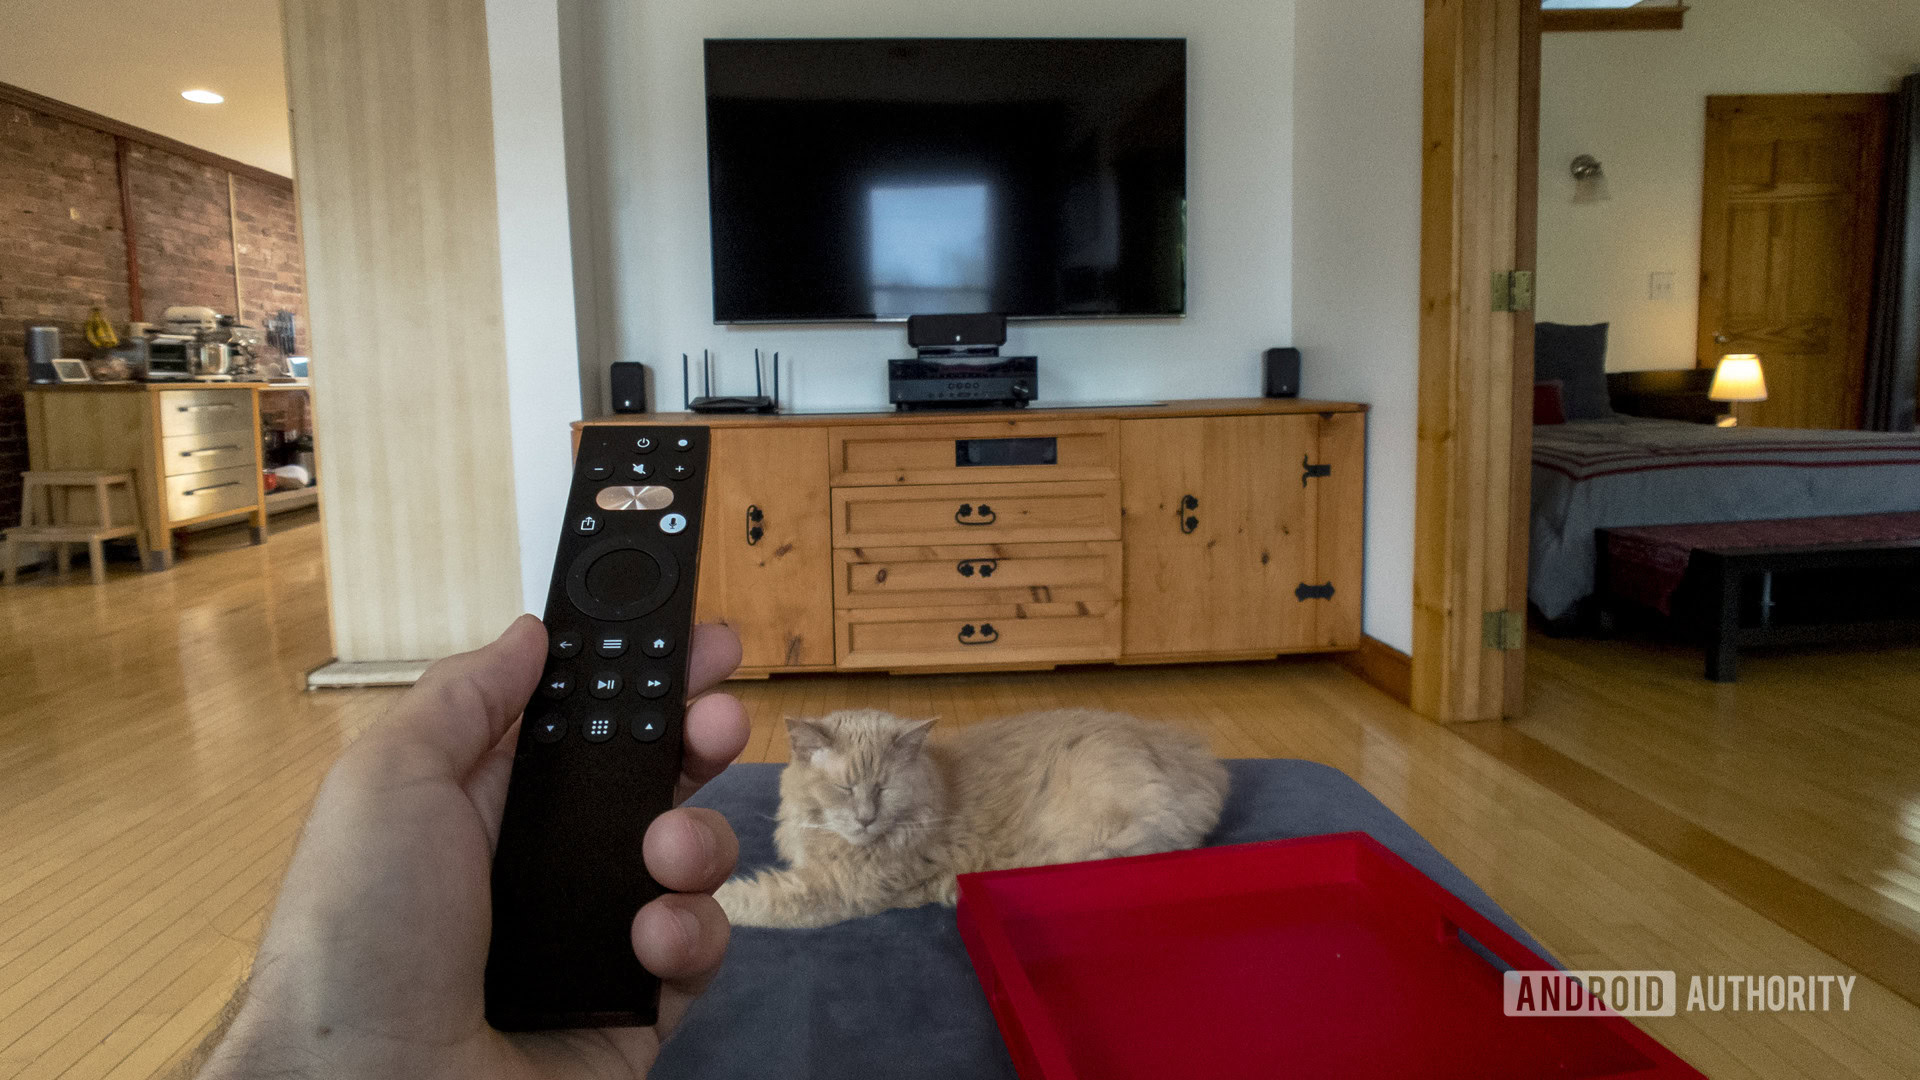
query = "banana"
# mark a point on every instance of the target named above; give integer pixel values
(100, 333)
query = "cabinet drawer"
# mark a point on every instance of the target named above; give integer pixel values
(975, 514)
(992, 451)
(181, 454)
(193, 412)
(975, 574)
(193, 495)
(978, 634)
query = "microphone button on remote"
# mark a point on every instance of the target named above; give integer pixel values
(672, 524)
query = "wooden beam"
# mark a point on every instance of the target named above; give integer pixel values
(1580, 20)
(1470, 209)
(107, 125)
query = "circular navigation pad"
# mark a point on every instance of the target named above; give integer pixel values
(615, 580)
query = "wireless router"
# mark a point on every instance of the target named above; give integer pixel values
(758, 402)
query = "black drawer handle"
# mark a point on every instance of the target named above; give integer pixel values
(211, 487)
(754, 531)
(210, 405)
(1309, 471)
(208, 450)
(986, 635)
(1188, 522)
(968, 512)
(983, 567)
(1307, 592)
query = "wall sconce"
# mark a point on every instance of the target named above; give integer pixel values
(1589, 179)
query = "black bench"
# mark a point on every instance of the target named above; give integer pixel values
(1737, 583)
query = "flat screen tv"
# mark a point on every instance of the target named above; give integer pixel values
(876, 179)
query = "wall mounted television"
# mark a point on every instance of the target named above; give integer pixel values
(875, 179)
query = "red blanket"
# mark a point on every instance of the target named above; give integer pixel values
(1647, 562)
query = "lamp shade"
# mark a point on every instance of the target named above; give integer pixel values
(1738, 378)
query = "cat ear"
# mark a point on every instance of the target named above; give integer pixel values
(912, 739)
(807, 738)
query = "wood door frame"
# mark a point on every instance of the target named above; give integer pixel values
(1480, 129)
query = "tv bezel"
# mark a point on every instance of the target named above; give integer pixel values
(1186, 193)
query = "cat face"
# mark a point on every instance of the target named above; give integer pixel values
(859, 773)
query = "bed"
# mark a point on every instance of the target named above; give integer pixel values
(1624, 470)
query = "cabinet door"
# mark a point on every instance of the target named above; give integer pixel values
(775, 589)
(1222, 528)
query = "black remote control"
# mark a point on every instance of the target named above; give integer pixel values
(599, 750)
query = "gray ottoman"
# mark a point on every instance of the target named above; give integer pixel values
(894, 996)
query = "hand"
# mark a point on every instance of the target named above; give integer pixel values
(373, 962)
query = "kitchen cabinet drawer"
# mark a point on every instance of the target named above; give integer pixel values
(993, 451)
(194, 412)
(976, 574)
(975, 514)
(962, 635)
(195, 495)
(180, 454)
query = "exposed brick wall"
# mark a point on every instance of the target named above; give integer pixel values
(272, 276)
(62, 252)
(63, 249)
(183, 231)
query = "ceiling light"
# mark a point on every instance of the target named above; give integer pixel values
(202, 97)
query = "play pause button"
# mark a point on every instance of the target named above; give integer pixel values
(604, 685)
(549, 729)
(649, 726)
(653, 684)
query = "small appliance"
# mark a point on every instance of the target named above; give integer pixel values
(43, 348)
(172, 357)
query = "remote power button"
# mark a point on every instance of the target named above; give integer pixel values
(673, 523)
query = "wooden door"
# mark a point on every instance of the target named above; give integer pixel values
(1791, 202)
(775, 588)
(1218, 531)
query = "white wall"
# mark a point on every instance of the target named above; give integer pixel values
(1356, 258)
(642, 155)
(1637, 101)
(536, 276)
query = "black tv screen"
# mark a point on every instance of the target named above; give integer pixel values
(874, 179)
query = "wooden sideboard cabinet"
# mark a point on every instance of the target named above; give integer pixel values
(1194, 530)
(194, 450)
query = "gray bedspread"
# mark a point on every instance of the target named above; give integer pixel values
(1597, 474)
(893, 997)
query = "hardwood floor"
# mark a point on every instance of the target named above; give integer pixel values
(157, 754)
(1808, 766)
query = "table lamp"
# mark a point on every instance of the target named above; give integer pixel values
(1737, 378)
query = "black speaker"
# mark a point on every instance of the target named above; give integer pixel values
(1283, 373)
(628, 381)
(952, 331)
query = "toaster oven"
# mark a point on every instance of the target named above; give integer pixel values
(170, 357)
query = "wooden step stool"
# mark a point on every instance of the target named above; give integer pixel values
(37, 526)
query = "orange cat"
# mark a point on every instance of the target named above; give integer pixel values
(874, 816)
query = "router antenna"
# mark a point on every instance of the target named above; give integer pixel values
(776, 381)
(757, 391)
(686, 383)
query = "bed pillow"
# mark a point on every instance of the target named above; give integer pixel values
(1548, 404)
(1576, 357)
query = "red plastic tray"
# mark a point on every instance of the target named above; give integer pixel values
(1327, 956)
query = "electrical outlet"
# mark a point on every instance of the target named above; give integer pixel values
(1660, 285)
